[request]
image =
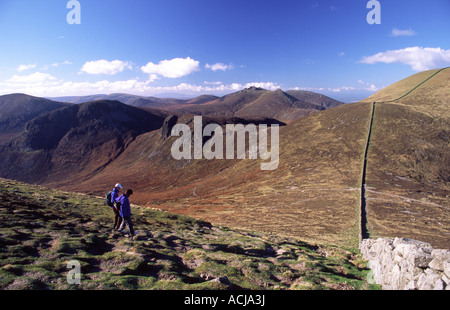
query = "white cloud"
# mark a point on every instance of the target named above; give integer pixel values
(308, 88)
(219, 66)
(105, 67)
(265, 85)
(51, 87)
(153, 77)
(419, 58)
(402, 33)
(22, 68)
(213, 83)
(174, 68)
(340, 89)
(369, 86)
(37, 77)
(57, 64)
(45, 85)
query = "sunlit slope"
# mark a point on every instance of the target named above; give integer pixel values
(314, 192)
(409, 160)
(401, 88)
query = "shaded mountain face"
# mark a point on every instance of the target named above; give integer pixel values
(18, 109)
(74, 139)
(96, 122)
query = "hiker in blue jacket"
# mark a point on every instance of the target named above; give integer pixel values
(115, 206)
(125, 211)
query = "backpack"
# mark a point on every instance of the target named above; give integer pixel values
(108, 199)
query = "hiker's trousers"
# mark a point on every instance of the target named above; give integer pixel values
(117, 219)
(127, 221)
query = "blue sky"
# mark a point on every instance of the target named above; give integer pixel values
(194, 47)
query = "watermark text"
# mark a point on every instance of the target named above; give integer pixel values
(74, 16)
(374, 16)
(214, 147)
(74, 275)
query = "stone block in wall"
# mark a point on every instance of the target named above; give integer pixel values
(446, 266)
(402, 263)
(439, 258)
(430, 280)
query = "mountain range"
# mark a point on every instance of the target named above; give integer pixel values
(88, 146)
(250, 103)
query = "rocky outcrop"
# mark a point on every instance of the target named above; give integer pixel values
(406, 264)
(167, 126)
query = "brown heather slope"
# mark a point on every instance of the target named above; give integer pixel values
(408, 173)
(314, 193)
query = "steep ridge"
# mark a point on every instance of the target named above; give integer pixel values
(402, 88)
(18, 109)
(408, 164)
(74, 141)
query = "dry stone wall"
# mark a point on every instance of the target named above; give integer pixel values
(406, 264)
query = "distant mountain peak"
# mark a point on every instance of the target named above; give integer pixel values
(253, 88)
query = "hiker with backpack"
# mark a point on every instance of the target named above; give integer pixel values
(125, 211)
(111, 201)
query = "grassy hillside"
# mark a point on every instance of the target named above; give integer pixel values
(409, 160)
(42, 229)
(400, 88)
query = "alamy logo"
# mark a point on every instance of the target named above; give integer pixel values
(214, 147)
(74, 16)
(374, 16)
